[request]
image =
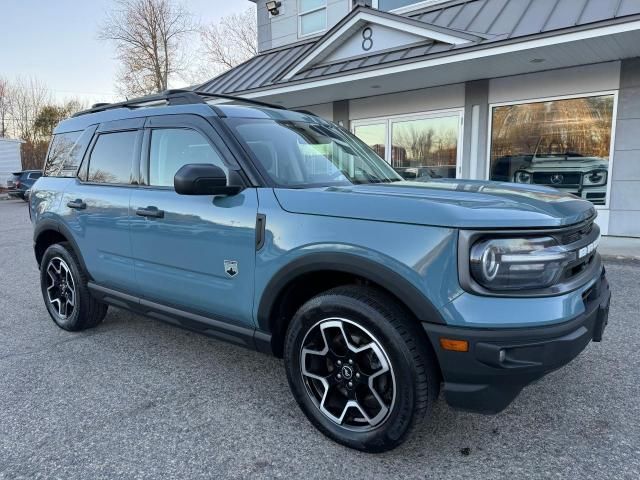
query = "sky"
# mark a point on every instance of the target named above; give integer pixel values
(57, 42)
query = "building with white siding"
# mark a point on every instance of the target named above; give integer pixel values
(544, 91)
(10, 160)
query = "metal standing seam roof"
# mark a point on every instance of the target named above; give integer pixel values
(491, 20)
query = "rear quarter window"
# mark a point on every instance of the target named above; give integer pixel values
(65, 154)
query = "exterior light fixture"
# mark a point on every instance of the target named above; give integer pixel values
(273, 7)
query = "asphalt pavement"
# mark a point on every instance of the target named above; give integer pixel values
(136, 398)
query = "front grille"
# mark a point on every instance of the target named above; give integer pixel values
(576, 234)
(572, 236)
(557, 178)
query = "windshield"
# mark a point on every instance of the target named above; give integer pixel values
(297, 154)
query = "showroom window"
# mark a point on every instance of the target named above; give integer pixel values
(418, 147)
(374, 135)
(312, 15)
(561, 143)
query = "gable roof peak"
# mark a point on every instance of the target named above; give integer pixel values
(395, 31)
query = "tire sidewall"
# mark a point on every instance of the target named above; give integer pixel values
(57, 250)
(397, 425)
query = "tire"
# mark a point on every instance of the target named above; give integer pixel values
(377, 331)
(64, 290)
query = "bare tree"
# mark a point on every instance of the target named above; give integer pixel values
(5, 96)
(149, 36)
(230, 42)
(28, 98)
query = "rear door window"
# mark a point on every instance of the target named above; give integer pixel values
(112, 158)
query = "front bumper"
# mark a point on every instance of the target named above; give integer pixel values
(501, 362)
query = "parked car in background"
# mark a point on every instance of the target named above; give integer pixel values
(585, 177)
(281, 231)
(21, 182)
(417, 174)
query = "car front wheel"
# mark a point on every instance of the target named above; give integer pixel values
(359, 368)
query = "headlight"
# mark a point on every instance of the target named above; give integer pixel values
(595, 177)
(522, 177)
(518, 263)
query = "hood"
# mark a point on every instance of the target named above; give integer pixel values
(447, 203)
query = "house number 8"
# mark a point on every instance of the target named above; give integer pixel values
(367, 39)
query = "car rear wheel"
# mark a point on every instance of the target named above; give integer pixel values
(65, 292)
(359, 368)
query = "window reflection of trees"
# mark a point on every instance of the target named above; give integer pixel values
(429, 142)
(60, 153)
(574, 126)
(102, 176)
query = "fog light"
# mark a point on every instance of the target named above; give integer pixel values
(454, 345)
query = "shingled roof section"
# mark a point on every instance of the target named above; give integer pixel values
(494, 20)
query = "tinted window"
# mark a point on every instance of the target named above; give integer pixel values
(64, 155)
(173, 148)
(112, 157)
(35, 175)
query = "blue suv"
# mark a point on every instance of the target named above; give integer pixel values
(282, 232)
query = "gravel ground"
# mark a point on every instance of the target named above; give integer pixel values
(136, 398)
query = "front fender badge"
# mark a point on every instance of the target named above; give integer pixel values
(231, 268)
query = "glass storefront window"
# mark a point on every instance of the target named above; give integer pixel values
(374, 136)
(563, 144)
(425, 147)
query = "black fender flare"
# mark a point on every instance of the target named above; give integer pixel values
(373, 271)
(57, 226)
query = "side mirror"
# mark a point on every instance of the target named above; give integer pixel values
(202, 179)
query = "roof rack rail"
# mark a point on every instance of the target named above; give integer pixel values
(239, 99)
(172, 97)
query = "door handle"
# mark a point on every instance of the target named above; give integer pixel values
(151, 212)
(77, 204)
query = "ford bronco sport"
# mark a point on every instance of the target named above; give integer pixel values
(282, 232)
